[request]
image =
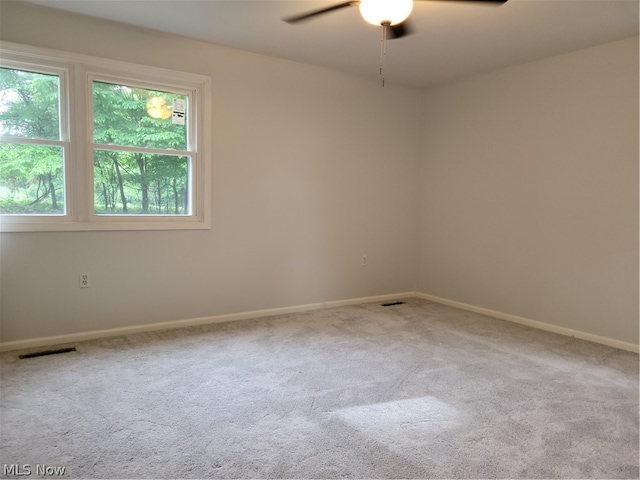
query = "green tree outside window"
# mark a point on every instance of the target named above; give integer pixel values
(138, 182)
(31, 172)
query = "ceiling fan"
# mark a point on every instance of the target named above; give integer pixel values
(392, 15)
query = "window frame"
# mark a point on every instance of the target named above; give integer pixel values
(191, 150)
(76, 107)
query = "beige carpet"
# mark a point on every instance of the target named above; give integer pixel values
(418, 390)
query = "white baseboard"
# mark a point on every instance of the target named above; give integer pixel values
(534, 323)
(151, 327)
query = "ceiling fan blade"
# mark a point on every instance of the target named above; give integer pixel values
(306, 16)
(399, 30)
(493, 2)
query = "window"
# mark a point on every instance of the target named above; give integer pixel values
(34, 148)
(141, 151)
(90, 144)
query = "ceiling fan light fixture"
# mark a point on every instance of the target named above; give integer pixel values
(157, 108)
(377, 12)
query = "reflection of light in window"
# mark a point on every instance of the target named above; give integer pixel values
(157, 108)
(413, 413)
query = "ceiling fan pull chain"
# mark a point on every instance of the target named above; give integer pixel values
(383, 47)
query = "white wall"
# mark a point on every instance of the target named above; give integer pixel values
(529, 191)
(515, 191)
(306, 178)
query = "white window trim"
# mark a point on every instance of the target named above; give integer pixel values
(77, 72)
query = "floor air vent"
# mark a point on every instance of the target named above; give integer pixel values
(47, 352)
(391, 304)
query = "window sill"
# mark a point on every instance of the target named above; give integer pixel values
(9, 226)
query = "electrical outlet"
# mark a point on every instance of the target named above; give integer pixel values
(364, 261)
(84, 280)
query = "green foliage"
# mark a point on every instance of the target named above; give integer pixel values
(29, 105)
(31, 179)
(133, 182)
(120, 117)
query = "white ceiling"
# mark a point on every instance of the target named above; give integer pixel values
(451, 39)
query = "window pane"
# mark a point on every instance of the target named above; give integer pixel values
(31, 179)
(141, 184)
(136, 117)
(29, 104)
